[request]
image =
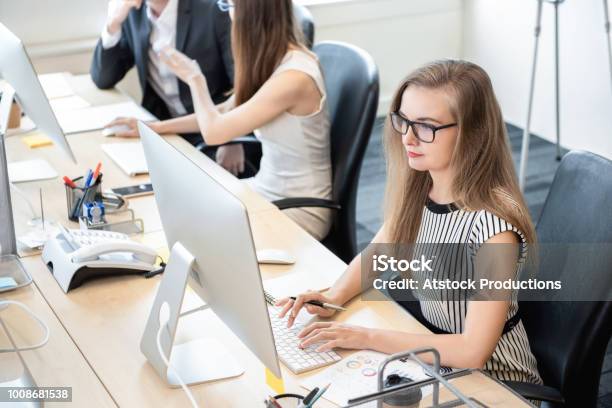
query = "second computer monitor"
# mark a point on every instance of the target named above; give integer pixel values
(17, 70)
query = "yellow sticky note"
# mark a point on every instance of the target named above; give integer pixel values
(36, 140)
(274, 382)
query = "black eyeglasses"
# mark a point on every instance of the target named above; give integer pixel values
(224, 5)
(423, 131)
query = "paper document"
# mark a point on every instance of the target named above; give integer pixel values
(55, 85)
(357, 375)
(30, 170)
(295, 283)
(97, 117)
(68, 103)
(37, 238)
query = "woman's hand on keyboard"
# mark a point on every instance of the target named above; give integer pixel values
(331, 335)
(294, 306)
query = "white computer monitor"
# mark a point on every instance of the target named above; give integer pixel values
(16, 68)
(210, 224)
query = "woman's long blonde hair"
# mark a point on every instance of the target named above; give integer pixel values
(484, 173)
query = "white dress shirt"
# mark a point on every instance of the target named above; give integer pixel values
(163, 33)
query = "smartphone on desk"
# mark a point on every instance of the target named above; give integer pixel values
(134, 191)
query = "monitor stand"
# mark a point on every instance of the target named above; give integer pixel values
(25, 380)
(10, 265)
(196, 361)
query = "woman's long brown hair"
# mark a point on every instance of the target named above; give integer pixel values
(485, 178)
(262, 32)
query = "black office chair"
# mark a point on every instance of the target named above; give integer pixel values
(303, 18)
(351, 80)
(569, 339)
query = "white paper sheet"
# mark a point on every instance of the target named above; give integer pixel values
(55, 85)
(293, 284)
(68, 103)
(37, 238)
(357, 375)
(97, 117)
(30, 170)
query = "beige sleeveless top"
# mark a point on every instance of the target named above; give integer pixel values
(296, 158)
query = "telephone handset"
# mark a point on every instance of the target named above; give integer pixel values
(75, 256)
(94, 252)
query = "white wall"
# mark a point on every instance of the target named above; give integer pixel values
(399, 34)
(499, 35)
(59, 34)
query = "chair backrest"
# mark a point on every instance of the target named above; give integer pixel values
(351, 80)
(569, 339)
(303, 19)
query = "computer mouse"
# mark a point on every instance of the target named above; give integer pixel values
(275, 256)
(113, 130)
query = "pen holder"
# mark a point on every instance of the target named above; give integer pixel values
(76, 196)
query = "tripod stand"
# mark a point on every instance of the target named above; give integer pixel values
(525, 142)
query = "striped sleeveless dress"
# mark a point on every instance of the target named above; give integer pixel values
(512, 359)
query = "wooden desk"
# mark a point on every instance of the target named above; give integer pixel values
(57, 364)
(88, 153)
(106, 317)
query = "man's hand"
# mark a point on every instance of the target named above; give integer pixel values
(231, 158)
(118, 11)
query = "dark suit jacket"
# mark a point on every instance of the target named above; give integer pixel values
(203, 33)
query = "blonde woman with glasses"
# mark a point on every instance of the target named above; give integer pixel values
(450, 180)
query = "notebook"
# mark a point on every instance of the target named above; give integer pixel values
(129, 157)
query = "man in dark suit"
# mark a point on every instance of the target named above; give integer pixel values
(137, 30)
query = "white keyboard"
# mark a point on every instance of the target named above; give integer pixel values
(81, 238)
(296, 359)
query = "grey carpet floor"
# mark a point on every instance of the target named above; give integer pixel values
(540, 172)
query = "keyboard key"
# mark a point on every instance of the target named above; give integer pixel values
(287, 344)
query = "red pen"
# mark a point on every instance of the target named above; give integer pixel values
(69, 182)
(274, 402)
(96, 172)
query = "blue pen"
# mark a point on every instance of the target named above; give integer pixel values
(88, 178)
(306, 401)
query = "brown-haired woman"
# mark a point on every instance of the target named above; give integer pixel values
(280, 94)
(450, 180)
